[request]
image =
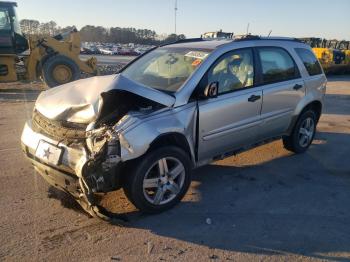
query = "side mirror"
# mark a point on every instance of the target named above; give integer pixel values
(211, 90)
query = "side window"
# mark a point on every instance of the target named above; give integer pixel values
(4, 20)
(233, 71)
(277, 65)
(310, 61)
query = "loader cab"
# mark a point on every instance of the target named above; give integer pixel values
(12, 40)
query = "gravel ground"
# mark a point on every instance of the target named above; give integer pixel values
(263, 205)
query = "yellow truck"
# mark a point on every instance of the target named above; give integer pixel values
(54, 59)
(325, 55)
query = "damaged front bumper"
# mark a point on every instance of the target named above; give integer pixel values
(78, 171)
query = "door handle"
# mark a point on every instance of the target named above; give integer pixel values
(297, 87)
(253, 98)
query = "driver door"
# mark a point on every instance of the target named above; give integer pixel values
(230, 120)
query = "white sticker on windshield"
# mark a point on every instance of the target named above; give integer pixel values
(197, 54)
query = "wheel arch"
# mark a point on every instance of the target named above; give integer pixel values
(173, 139)
(315, 105)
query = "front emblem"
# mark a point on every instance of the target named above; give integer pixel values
(47, 153)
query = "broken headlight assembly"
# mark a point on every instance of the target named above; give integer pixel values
(101, 170)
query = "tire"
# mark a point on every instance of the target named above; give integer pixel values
(299, 140)
(147, 169)
(59, 69)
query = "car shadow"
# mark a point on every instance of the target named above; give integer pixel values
(66, 200)
(289, 204)
(338, 104)
(295, 204)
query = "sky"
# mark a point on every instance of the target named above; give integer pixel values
(295, 18)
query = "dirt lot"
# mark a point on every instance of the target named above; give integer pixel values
(264, 204)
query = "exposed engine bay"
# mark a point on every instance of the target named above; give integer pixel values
(103, 141)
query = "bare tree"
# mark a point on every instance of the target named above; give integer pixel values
(92, 33)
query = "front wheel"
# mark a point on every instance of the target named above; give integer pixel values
(159, 180)
(303, 133)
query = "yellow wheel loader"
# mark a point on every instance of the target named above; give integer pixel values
(54, 59)
(325, 55)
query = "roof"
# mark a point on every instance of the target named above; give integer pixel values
(201, 43)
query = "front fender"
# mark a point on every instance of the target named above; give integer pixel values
(137, 139)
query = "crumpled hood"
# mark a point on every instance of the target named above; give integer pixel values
(80, 101)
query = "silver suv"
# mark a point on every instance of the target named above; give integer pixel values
(175, 108)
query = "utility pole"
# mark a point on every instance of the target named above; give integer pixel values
(175, 9)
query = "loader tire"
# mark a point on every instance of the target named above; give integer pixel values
(59, 70)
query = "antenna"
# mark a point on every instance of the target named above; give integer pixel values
(175, 9)
(248, 29)
(269, 33)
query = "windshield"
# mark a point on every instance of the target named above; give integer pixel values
(166, 68)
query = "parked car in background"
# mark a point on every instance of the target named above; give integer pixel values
(176, 108)
(128, 51)
(105, 51)
(89, 51)
(114, 48)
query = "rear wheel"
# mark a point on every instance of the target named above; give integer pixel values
(302, 134)
(160, 180)
(59, 70)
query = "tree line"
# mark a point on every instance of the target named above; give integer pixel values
(90, 33)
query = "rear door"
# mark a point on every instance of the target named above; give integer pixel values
(230, 120)
(282, 88)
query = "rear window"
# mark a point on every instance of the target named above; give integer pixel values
(277, 65)
(310, 61)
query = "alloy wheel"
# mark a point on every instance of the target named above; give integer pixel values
(306, 132)
(164, 180)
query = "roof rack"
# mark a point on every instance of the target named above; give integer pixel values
(186, 40)
(257, 37)
(237, 38)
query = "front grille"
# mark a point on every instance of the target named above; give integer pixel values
(58, 129)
